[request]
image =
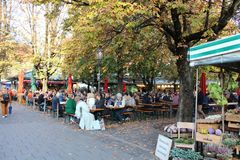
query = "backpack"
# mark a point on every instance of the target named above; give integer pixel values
(5, 97)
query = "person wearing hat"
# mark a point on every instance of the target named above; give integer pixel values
(4, 102)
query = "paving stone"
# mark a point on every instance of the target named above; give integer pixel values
(32, 135)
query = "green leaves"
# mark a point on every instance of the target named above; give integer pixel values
(216, 93)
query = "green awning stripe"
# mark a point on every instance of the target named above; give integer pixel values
(217, 42)
(216, 51)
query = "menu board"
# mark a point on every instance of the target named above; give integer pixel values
(163, 147)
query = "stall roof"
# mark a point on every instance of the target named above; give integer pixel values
(224, 53)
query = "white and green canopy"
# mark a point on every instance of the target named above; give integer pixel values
(220, 52)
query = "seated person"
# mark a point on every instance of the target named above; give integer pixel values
(90, 100)
(70, 105)
(119, 103)
(109, 101)
(147, 98)
(83, 113)
(99, 101)
(56, 103)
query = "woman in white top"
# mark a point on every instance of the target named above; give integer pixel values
(83, 113)
(90, 100)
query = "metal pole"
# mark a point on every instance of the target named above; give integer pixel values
(99, 75)
(196, 106)
(58, 111)
(45, 104)
(222, 86)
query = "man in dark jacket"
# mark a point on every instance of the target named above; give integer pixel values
(99, 101)
(41, 101)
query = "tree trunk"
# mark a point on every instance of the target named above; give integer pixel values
(186, 103)
(120, 80)
(148, 82)
(45, 85)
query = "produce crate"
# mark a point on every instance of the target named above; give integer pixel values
(208, 138)
(206, 126)
(232, 117)
(209, 121)
(175, 135)
(233, 125)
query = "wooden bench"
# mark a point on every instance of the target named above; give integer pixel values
(142, 112)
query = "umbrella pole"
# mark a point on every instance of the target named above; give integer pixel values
(222, 85)
(196, 99)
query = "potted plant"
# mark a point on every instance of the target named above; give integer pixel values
(224, 153)
(182, 154)
(210, 150)
(229, 142)
(184, 141)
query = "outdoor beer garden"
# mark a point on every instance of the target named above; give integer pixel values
(120, 79)
(213, 134)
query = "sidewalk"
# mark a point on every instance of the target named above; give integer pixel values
(32, 135)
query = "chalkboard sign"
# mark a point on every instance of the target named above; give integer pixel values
(163, 148)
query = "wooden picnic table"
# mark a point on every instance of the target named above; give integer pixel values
(160, 105)
(231, 103)
(96, 110)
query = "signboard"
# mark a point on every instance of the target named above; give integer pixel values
(163, 148)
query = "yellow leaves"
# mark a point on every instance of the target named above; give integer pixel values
(179, 5)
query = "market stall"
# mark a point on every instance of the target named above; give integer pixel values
(223, 53)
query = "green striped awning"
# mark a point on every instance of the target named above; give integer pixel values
(224, 50)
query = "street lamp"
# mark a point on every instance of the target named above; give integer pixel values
(99, 58)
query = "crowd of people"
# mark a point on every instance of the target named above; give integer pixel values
(81, 102)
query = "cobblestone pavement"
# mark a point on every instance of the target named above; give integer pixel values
(32, 135)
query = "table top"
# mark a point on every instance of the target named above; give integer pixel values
(231, 103)
(97, 110)
(114, 107)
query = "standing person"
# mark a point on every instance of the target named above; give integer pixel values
(175, 99)
(55, 102)
(200, 100)
(30, 96)
(41, 101)
(4, 102)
